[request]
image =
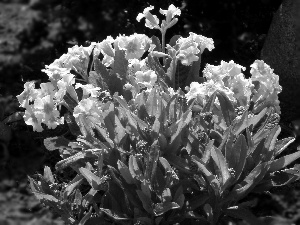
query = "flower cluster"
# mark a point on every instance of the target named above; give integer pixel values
(262, 88)
(152, 21)
(43, 104)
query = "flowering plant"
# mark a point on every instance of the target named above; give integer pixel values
(147, 152)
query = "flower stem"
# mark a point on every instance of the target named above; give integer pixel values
(163, 43)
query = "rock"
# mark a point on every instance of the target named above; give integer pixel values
(281, 51)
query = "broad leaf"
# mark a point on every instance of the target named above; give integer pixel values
(221, 164)
(226, 108)
(161, 208)
(242, 213)
(56, 143)
(151, 162)
(147, 203)
(125, 172)
(134, 168)
(283, 161)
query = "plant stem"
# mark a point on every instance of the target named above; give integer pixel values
(163, 43)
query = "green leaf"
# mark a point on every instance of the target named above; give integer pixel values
(120, 63)
(178, 163)
(73, 127)
(211, 179)
(101, 77)
(156, 41)
(179, 127)
(91, 178)
(17, 116)
(197, 201)
(210, 103)
(283, 161)
(125, 172)
(113, 215)
(48, 175)
(86, 217)
(154, 103)
(151, 162)
(221, 164)
(161, 208)
(179, 196)
(207, 153)
(282, 144)
(134, 168)
(56, 143)
(244, 214)
(72, 185)
(253, 178)
(226, 108)
(241, 155)
(147, 203)
(171, 72)
(165, 164)
(174, 39)
(71, 98)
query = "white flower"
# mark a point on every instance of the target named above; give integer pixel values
(242, 88)
(146, 79)
(204, 90)
(46, 89)
(223, 72)
(32, 119)
(170, 13)
(76, 59)
(55, 73)
(188, 55)
(266, 93)
(134, 45)
(88, 89)
(63, 85)
(89, 111)
(202, 42)
(135, 65)
(105, 47)
(29, 94)
(151, 20)
(46, 109)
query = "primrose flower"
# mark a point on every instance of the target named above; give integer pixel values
(170, 13)
(29, 94)
(32, 119)
(77, 59)
(46, 109)
(267, 91)
(134, 45)
(89, 111)
(204, 90)
(46, 89)
(105, 47)
(88, 89)
(55, 73)
(188, 55)
(152, 21)
(202, 42)
(146, 79)
(135, 65)
(64, 85)
(242, 88)
(223, 72)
